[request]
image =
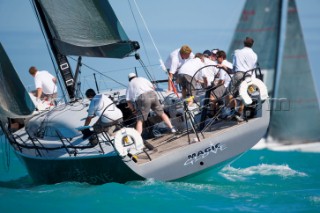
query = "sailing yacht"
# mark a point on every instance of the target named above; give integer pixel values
(49, 142)
(295, 114)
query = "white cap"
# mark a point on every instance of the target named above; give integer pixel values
(131, 75)
(214, 51)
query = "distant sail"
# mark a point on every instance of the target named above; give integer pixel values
(15, 100)
(298, 117)
(86, 28)
(261, 21)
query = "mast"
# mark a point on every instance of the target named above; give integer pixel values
(278, 48)
(61, 60)
(276, 67)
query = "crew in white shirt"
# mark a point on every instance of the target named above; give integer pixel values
(174, 62)
(245, 59)
(186, 73)
(45, 83)
(108, 113)
(141, 92)
(208, 74)
(224, 67)
(103, 107)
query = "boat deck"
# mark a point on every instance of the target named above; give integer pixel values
(76, 147)
(168, 142)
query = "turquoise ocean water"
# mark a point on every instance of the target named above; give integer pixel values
(259, 181)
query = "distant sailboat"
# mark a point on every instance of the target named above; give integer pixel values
(295, 115)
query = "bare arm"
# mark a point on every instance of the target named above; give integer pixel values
(170, 81)
(39, 93)
(220, 82)
(130, 105)
(205, 81)
(224, 67)
(88, 120)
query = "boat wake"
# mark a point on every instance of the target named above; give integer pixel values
(275, 145)
(242, 174)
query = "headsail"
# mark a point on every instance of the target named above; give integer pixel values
(86, 28)
(15, 100)
(298, 117)
(261, 21)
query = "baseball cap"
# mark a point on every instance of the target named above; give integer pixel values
(214, 51)
(207, 53)
(131, 75)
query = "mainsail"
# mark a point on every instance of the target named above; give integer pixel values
(85, 28)
(295, 115)
(81, 28)
(261, 21)
(297, 118)
(15, 100)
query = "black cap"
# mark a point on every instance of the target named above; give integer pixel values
(207, 53)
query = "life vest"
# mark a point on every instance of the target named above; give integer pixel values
(128, 140)
(252, 84)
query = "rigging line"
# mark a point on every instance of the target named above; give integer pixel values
(145, 25)
(135, 21)
(144, 67)
(145, 49)
(149, 76)
(48, 48)
(124, 69)
(97, 71)
(145, 70)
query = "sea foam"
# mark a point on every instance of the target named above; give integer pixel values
(241, 174)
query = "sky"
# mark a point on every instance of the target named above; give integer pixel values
(202, 24)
